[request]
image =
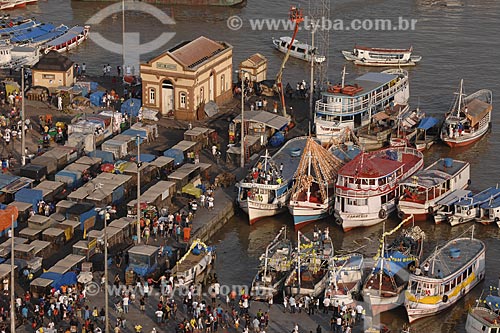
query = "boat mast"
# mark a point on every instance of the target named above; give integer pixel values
(460, 94)
(309, 174)
(343, 77)
(382, 252)
(298, 259)
(311, 88)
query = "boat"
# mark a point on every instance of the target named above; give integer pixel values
(419, 195)
(15, 25)
(490, 212)
(468, 209)
(265, 191)
(345, 277)
(482, 319)
(274, 268)
(353, 105)
(313, 189)
(427, 133)
(367, 187)
(221, 3)
(384, 287)
(193, 264)
(69, 40)
(453, 270)
(38, 35)
(369, 56)
(297, 50)
(446, 206)
(311, 273)
(21, 56)
(469, 119)
(13, 4)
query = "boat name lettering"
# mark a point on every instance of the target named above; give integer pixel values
(161, 65)
(355, 216)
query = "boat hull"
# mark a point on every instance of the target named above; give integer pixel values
(462, 143)
(306, 212)
(257, 210)
(379, 304)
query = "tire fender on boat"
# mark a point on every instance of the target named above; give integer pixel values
(460, 220)
(449, 219)
(330, 210)
(445, 298)
(338, 221)
(382, 214)
(401, 214)
(468, 212)
(430, 210)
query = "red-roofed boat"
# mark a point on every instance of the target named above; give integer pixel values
(367, 186)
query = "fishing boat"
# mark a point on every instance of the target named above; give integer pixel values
(482, 319)
(468, 209)
(313, 189)
(274, 267)
(420, 194)
(69, 40)
(453, 270)
(446, 206)
(297, 49)
(384, 288)
(469, 119)
(311, 273)
(367, 187)
(353, 105)
(427, 133)
(490, 212)
(345, 277)
(369, 56)
(266, 190)
(194, 263)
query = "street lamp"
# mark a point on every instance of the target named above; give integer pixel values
(106, 213)
(12, 276)
(242, 78)
(23, 121)
(139, 164)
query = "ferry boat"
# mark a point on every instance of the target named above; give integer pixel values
(274, 267)
(453, 270)
(311, 274)
(420, 195)
(469, 119)
(20, 56)
(345, 277)
(481, 319)
(468, 209)
(194, 263)
(490, 212)
(367, 187)
(298, 50)
(70, 40)
(313, 189)
(384, 287)
(353, 105)
(266, 190)
(446, 206)
(369, 56)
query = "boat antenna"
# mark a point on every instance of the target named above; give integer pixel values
(343, 76)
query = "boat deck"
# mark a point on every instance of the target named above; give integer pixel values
(290, 155)
(453, 256)
(189, 262)
(480, 198)
(486, 317)
(453, 197)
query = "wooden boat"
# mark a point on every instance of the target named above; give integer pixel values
(453, 270)
(274, 267)
(490, 212)
(469, 119)
(193, 264)
(367, 186)
(446, 206)
(259, 197)
(311, 273)
(298, 50)
(420, 194)
(384, 288)
(481, 319)
(313, 189)
(468, 208)
(21, 56)
(427, 133)
(369, 56)
(13, 4)
(69, 40)
(345, 277)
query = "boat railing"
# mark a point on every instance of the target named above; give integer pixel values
(358, 106)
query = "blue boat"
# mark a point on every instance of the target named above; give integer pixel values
(40, 35)
(490, 212)
(468, 208)
(9, 30)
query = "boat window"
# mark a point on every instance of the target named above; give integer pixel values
(446, 287)
(301, 50)
(372, 181)
(364, 181)
(292, 48)
(383, 199)
(283, 44)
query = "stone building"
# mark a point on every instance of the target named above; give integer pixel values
(181, 81)
(53, 70)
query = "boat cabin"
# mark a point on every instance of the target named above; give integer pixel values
(490, 211)
(380, 54)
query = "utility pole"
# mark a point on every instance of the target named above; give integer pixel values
(242, 119)
(106, 277)
(23, 120)
(138, 189)
(12, 277)
(311, 88)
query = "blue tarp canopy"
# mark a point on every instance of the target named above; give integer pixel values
(493, 302)
(393, 263)
(96, 98)
(176, 154)
(6, 180)
(67, 279)
(146, 157)
(106, 156)
(29, 195)
(52, 276)
(427, 123)
(131, 106)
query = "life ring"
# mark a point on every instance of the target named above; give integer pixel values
(460, 220)
(401, 214)
(430, 210)
(445, 298)
(382, 214)
(469, 182)
(449, 219)
(330, 210)
(468, 212)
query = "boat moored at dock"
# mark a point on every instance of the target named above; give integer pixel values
(370, 56)
(345, 277)
(468, 209)
(70, 40)
(297, 49)
(194, 263)
(481, 319)
(446, 206)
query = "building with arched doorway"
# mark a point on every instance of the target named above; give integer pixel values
(181, 81)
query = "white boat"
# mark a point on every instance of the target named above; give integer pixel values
(469, 119)
(70, 40)
(384, 287)
(490, 212)
(420, 195)
(354, 105)
(266, 190)
(468, 209)
(481, 319)
(311, 273)
(445, 206)
(453, 270)
(313, 189)
(22, 56)
(13, 4)
(369, 56)
(367, 187)
(274, 268)
(345, 277)
(298, 50)
(193, 264)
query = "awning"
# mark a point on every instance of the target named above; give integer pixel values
(267, 118)
(380, 116)
(427, 123)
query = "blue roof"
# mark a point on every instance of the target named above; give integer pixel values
(377, 77)
(51, 35)
(427, 123)
(69, 35)
(480, 198)
(393, 263)
(491, 203)
(35, 32)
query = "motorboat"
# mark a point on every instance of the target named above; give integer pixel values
(469, 208)
(370, 56)
(298, 49)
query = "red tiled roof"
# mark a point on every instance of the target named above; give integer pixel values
(197, 51)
